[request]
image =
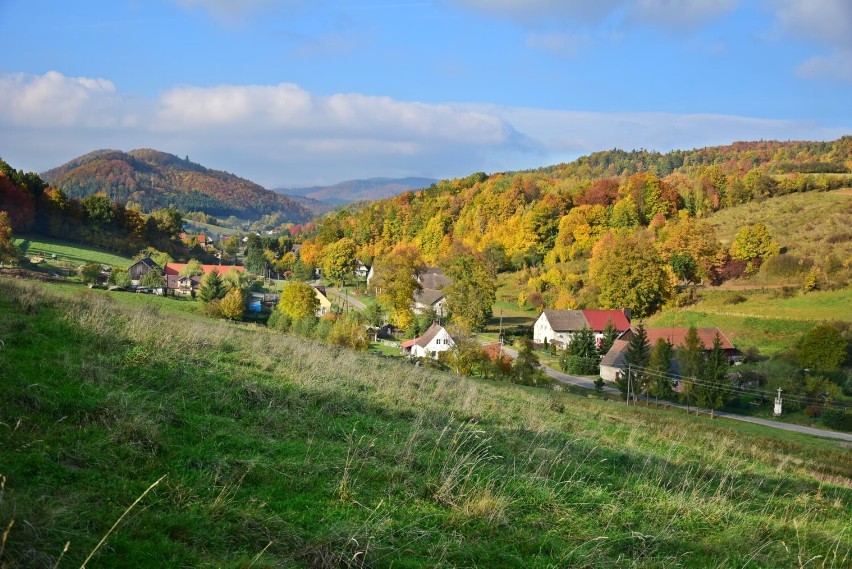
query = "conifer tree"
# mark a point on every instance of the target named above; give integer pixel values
(690, 357)
(712, 392)
(638, 355)
(581, 355)
(661, 357)
(211, 287)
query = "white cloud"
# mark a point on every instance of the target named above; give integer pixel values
(283, 135)
(838, 66)
(679, 14)
(824, 21)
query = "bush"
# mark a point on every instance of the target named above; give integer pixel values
(213, 309)
(785, 265)
(279, 321)
(735, 299)
(813, 411)
(837, 419)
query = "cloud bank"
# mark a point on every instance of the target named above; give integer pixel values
(284, 135)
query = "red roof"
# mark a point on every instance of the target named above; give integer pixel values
(409, 343)
(176, 268)
(598, 319)
(676, 335)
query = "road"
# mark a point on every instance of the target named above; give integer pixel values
(343, 298)
(589, 384)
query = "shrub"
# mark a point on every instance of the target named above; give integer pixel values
(813, 411)
(735, 299)
(837, 419)
(279, 321)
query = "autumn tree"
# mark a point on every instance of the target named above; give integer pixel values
(754, 243)
(233, 305)
(8, 251)
(692, 248)
(629, 272)
(471, 295)
(339, 261)
(298, 300)
(395, 282)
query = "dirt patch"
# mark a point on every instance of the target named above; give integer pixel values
(18, 273)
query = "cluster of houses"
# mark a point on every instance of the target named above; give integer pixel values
(558, 327)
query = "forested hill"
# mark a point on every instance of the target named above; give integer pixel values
(157, 180)
(643, 204)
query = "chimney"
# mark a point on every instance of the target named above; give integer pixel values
(628, 313)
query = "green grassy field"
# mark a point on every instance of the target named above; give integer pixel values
(68, 252)
(273, 451)
(763, 319)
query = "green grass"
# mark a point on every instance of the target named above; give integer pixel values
(804, 224)
(69, 252)
(765, 319)
(279, 452)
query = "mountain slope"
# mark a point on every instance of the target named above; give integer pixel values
(360, 190)
(156, 180)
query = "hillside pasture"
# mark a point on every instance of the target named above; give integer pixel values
(274, 451)
(66, 252)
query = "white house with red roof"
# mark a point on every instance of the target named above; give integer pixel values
(434, 341)
(559, 326)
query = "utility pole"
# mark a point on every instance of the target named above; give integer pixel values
(629, 378)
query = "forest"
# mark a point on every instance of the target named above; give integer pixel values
(609, 230)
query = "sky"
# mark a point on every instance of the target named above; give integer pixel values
(291, 93)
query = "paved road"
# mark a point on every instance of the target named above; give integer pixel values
(589, 384)
(344, 298)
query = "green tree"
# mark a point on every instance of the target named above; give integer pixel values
(119, 277)
(192, 269)
(349, 332)
(661, 359)
(89, 273)
(712, 391)
(255, 261)
(525, 368)
(233, 305)
(610, 335)
(473, 290)
(211, 287)
(153, 279)
(629, 272)
(339, 261)
(637, 356)
(298, 301)
(395, 282)
(465, 357)
(581, 356)
(822, 348)
(690, 357)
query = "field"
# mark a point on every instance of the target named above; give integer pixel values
(766, 319)
(68, 254)
(812, 225)
(250, 448)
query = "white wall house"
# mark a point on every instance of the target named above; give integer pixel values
(434, 341)
(559, 326)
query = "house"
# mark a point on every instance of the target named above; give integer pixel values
(614, 361)
(182, 285)
(429, 299)
(361, 270)
(324, 303)
(433, 278)
(559, 326)
(435, 340)
(140, 268)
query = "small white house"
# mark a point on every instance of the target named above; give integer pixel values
(435, 340)
(427, 299)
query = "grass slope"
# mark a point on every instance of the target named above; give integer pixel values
(280, 453)
(811, 225)
(763, 319)
(70, 252)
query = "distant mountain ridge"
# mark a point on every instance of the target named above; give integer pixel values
(350, 191)
(157, 180)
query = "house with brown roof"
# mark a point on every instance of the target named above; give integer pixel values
(429, 299)
(176, 268)
(559, 326)
(140, 268)
(614, 361)
(434, 341)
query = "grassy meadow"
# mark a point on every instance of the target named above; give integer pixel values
(246, 448)
(68, 254)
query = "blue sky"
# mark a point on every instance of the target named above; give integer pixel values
(297, 92)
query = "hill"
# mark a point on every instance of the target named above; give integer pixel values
(257, 449)
(360, 190)
(157, 180)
